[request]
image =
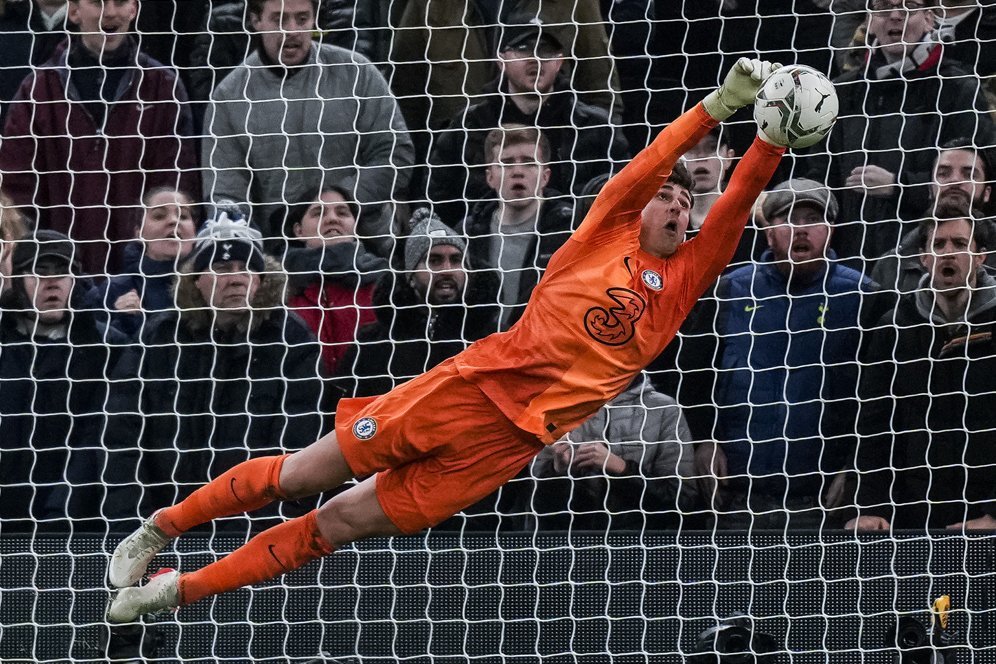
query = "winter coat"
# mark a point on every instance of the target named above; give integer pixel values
(787, 372)
(647, 430)
(331, 289)
(927, 427)
(582, 141)
(52, 396)
(274, 137)
(190, 401)
(897, 124)
(27, 43)
(555, 225)
(151, 279)
(87, 181)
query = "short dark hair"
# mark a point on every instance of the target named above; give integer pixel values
(680, 176)
(256, 6)
(983, 154)
(952, 207)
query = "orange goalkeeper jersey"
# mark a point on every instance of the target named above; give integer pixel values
(605, 308)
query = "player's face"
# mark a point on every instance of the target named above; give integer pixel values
(229, 285)
(103, 24)
(899, 25)
(951, 257)
(327, 222)
(665, 220)
(168, 226)
(707, 163)
(441, 278)
(284, 27)
(518, 177)
(532, 68)
(800, 239)
(48, 290)
(960, 170)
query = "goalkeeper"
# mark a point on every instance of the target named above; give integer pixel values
(612, 298)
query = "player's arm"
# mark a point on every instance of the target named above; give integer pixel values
(633, 187)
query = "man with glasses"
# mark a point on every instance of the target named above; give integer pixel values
(531, 90)
(894, 112)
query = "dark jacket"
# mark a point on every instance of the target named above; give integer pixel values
(583, 144)
(787, 372)
(52, 395)
(555, 225)
(26, 44)
(87, 181)
(190, 401)
(151, 279)
(926, 454)
(409, 337)
(897, 124)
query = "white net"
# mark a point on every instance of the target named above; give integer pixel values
(395, 177)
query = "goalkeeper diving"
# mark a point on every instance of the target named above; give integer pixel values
(612, 298)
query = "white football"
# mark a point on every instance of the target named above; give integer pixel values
(796, 106)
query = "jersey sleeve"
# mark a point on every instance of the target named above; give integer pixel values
(713, 248)
(624, 196)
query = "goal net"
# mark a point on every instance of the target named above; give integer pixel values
(219, 219)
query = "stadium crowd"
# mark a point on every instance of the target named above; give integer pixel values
(217, 222)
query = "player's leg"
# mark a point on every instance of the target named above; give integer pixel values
(247, 486)
(352, 515)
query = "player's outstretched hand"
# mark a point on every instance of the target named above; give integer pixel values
(739, 88)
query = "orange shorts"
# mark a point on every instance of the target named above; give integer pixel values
(437, 444)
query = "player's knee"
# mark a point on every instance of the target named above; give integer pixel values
(347, 518)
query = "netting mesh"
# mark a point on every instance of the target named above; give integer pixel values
(268, 206)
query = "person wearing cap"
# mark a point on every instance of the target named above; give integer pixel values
(788, 339)
(331, 273)
(297, 112)
(925, 456)
(611, 298)
(525, 223)
(531, 90)
(428, 313)
(53, 366)
(227, 374)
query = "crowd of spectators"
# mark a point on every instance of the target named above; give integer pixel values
(215, 224)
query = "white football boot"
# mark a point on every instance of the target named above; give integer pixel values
(161, 593)
(132, 556)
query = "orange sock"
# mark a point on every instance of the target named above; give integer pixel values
(273, 552)
(246, 487)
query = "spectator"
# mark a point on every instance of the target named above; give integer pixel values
(90, 131)
(967, 29)
(12, 228)
(520, 230)
(532, 91)
(630, 466)
(787, 371)
(296, 113)
(165, 233)
(961, 170)
(429, 313)
(924, 456)
(227, 375)
(894, 112)
(31, 30)
(443, 49)
(53, 366)
(331, 273)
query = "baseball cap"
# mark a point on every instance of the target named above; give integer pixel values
(799, 191)
(28, 251)
(522, 30)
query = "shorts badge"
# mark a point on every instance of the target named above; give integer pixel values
(365, 428)
(652, 279)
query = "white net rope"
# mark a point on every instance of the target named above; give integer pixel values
(219, 220)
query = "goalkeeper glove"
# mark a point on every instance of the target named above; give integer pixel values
(739, 88)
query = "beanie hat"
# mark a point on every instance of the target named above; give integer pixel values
(228, 237)
(427, 231)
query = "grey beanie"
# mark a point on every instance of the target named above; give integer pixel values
(228, 238)
(427, 231)
(799, 191)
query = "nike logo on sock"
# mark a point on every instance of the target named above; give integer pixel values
(231, 485)
(274, 555)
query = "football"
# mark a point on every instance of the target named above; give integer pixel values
(796, 106)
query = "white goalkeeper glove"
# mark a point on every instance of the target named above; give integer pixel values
(739, 88)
